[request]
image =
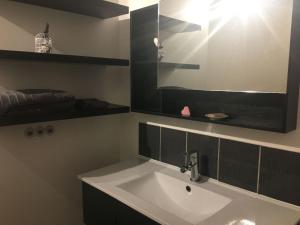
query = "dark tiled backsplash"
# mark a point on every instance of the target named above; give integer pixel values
(271, 172)
(149, 141)
(207, 148)
(173, 146)
(280, 175)
(239, 164)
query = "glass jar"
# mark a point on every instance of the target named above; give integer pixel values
(43, 43)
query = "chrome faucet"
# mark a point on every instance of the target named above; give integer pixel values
(191, 163)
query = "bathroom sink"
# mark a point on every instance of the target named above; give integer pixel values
(191, 203)
(160, 193)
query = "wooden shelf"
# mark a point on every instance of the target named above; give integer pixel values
(71, 114)
(95, 8)
(177, 26)
(168, 65)
(32, 56)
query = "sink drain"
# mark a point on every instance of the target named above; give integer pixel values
(188, 188)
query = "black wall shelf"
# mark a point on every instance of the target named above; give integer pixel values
(32, 56)
(72, 114)
(168, 65)
(177, 26)
(95, 8)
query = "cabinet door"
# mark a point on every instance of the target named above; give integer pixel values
(98, 208)
(128, 216)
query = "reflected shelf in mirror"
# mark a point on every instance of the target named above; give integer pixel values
(169, 65)
(177, 26)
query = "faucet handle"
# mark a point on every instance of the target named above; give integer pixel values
(186, 163)
(193, 160)
(194, 157)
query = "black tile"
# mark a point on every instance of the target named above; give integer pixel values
(207, 148)
(280, 175)
(173, 146)
(149, 141)
(239, 164)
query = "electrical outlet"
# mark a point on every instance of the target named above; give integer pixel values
(29, 132)
(40, 131)
(50, 130)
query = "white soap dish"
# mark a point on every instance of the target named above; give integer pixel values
(216, 116)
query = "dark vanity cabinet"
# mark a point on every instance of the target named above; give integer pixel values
(101, 209)
(265, 110)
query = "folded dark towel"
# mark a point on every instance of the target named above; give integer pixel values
(46, 95)
(30, 97)
(91, 104)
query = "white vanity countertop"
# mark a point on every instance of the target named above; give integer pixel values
(245, 208)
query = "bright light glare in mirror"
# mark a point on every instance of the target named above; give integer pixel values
(241, 222)
(197, 11)
(242, 8)
(203, 10)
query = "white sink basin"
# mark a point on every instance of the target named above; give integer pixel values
(170, 194)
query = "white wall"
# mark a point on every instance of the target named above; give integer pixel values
(38, 176)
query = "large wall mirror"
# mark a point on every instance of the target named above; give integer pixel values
(233, 62)
(236, 45)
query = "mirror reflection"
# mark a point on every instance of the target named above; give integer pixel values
(224, 45)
